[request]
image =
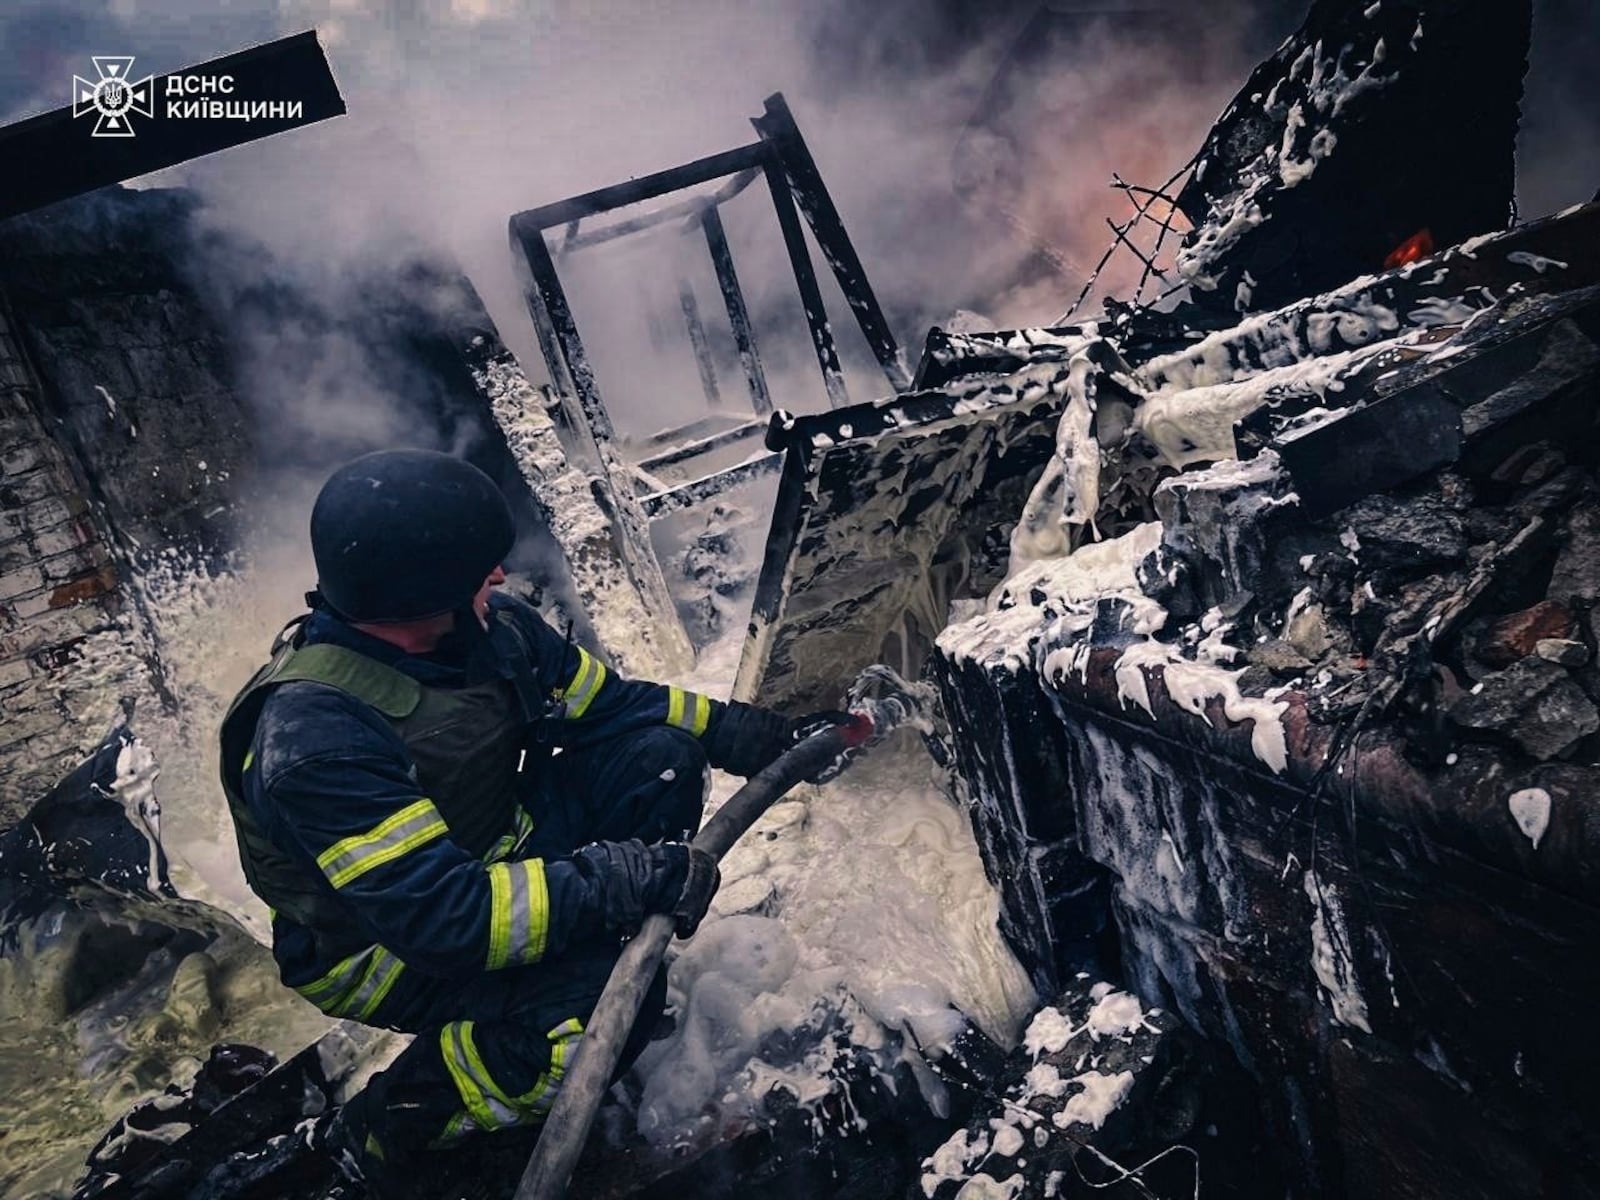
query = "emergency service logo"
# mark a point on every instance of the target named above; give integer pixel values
(114, 98)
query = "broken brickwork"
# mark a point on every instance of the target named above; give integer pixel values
(64, 661)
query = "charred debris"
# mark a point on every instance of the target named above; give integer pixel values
(1261, 605)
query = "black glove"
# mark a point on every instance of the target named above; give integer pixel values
(746, 739)
(636, 880)
(703, 880)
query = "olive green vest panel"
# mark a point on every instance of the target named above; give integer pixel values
(465, 744)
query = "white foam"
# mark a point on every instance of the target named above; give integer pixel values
(1330, 955)
(1530, 808)
(1101, 1095)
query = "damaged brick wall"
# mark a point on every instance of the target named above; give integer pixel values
(135, 371)
(65, 664)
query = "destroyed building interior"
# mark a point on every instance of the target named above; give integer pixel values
(1246, 847)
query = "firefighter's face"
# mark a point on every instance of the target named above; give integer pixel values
(480, 602)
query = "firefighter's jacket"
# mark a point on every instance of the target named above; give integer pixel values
(380, 798)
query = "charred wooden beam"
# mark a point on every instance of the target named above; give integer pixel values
(663, 504)
(744, 337)
(573, 240)
(629, 523)
(694, 449)
(805, 278)
(698, 428)
(777, 125)
(697, 340)
(692, 207)
(1371, 449)
(49, 157)
(618, 195)
(547, 304)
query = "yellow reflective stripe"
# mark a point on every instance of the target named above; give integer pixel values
(585, 685)
(352, 857)
(509, 843)
(339, 978)
(374, 986)
(249, 757)
(487, 1105)
(456, 1128)
(688, 710)
(499, 916)
(355, 986)
(490, 1107)
(519, 912)
(539, 1099)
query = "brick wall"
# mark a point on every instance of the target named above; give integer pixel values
(69, 661)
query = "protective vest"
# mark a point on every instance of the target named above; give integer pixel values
(465, 743)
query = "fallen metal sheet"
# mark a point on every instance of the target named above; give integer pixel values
(886, 512)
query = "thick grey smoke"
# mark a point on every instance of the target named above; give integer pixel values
(968, 144)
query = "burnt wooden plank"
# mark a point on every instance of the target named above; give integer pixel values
(744, 337)
(777, 124)
(648, 187)
(805, 278)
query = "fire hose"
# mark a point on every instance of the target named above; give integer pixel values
(819, 755)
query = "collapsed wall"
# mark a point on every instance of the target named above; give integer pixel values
(1318, 729)
(68, 661)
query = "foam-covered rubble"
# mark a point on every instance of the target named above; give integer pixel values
(1081, 1061)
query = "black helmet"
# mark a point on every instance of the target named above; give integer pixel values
(399, 535)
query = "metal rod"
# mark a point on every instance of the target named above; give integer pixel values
(778, 127)
(805, 278)
(697, 341)
(744, 337)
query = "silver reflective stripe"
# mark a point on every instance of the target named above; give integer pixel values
(484, 1100)
(352, 857)
(519, 912)
(374, 986)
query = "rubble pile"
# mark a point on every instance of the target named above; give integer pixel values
(1288, 705)
(1095, 1079)
(1320, 699)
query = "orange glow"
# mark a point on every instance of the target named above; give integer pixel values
(1418, 245)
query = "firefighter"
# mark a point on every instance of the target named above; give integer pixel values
(455, 813)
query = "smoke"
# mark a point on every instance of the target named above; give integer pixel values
(968, 146)
(465, 111)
